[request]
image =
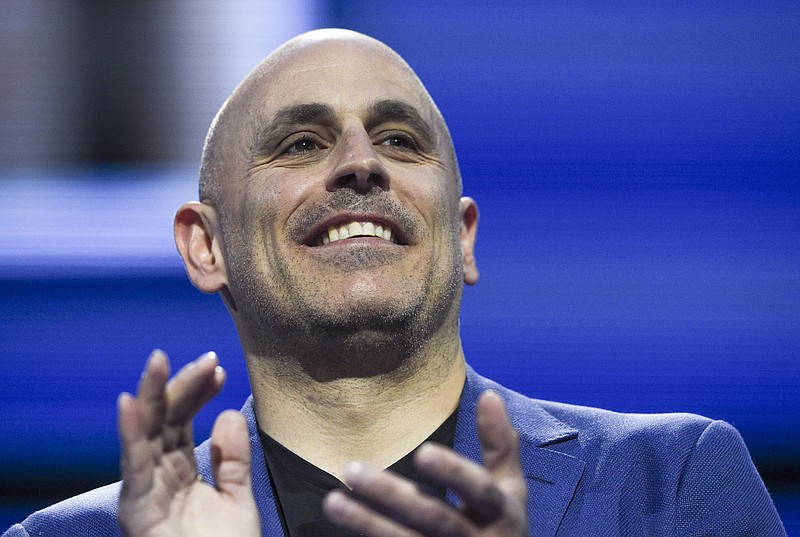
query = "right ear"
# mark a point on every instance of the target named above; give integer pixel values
(199, 241)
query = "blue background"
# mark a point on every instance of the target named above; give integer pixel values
(638, 175)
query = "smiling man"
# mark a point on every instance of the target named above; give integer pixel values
(330, 222)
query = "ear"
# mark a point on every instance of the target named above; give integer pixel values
(199, 241)
(469, 230)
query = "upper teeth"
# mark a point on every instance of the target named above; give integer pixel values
(356, 229)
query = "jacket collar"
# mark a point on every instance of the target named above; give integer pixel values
(262, 485)
(551, 476)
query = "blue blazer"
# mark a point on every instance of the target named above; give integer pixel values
(589, 472)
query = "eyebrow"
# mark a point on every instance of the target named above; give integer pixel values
(288, 118)
(383, 111)
(389, 110)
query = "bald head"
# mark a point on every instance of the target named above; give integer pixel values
(314, 67)
(331, 208)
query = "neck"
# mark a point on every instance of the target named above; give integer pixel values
(377, 418)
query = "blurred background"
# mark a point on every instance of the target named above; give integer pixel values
(637, 169)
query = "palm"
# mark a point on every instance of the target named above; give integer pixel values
(161, 495)
(493, 496)
(200, 511)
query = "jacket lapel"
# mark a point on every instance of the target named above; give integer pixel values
(262, 485)
(551, 476)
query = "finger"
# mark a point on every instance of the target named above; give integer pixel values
(499, 441)
(349, 513)
(150, 397)
(230, 456)
(136, 461)
(192, 387)
(478, 489)
(483, 489)
(385, 495)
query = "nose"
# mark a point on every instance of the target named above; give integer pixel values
(357, 165)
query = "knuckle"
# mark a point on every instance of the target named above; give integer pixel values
(429, 511)
(452, 525)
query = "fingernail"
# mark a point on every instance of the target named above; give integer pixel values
(122, 397)
(157, 354)
(210, 356)
(337, 505)
(427, 455)
(355, 474)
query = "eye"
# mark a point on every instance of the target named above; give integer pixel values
(303, 145)
(400, 141)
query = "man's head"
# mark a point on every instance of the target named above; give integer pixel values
(382, 65)
(332, 134)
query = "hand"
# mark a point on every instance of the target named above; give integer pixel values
(493, 496)
(161, 495)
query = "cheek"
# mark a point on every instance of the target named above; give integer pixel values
(436, 202)
(441, 213)
(264, 205)
(441, 217)
(275, 196)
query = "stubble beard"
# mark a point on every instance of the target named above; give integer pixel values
(289, 327)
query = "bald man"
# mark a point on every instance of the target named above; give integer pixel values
(332, 225)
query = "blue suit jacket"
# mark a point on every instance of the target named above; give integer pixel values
(589, 472)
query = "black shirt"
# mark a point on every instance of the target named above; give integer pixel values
(299, 486)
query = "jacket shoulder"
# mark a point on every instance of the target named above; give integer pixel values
(606, 429)
(680, 471)
(575, 429)
(91, 513)
(94, 512)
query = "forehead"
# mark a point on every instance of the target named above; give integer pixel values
(348, 77)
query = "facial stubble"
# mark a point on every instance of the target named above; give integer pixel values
(289, 317)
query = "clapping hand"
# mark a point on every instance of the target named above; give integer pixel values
(163, 497)
(493, 496)
(161, 493)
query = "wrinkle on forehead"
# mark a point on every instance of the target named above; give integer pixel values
(229, 143)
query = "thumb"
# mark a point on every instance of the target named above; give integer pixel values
(230, 456)
(499, 440)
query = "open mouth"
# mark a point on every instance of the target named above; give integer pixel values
(353, 229)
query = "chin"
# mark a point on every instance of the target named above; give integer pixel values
(366, 318)
(360, 353)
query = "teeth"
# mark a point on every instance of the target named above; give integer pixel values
(354, 228)
(357, 229)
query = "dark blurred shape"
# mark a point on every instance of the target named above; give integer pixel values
(43, 80)
(123, 81)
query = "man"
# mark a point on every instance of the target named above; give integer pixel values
(331, 224)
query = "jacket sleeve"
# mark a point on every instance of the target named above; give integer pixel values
(91, 513)
(720, 491)
(16, 531)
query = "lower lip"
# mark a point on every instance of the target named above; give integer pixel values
(357, 241)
